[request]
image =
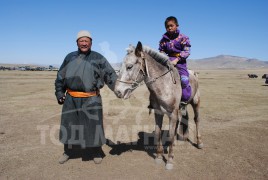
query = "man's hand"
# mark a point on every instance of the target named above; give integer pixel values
(61, 100)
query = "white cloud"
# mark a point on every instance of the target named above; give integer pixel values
(108, 53)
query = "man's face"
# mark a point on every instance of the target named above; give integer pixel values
(84, 44)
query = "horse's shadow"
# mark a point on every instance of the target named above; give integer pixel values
(146, 142)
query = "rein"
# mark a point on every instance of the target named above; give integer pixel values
(154, 79)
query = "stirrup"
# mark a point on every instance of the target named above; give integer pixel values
(183, 106)
(183, 103)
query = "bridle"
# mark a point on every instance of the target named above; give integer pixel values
(138, 82)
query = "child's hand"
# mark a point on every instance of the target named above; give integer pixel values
(175, 61)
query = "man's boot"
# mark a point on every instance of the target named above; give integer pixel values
(97, 156)
(64, 158)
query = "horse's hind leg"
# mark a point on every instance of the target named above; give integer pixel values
(197, 121)
(158, 127)
(183, 133)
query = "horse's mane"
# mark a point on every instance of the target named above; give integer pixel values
(159, 57)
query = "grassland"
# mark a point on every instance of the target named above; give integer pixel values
(234, 127)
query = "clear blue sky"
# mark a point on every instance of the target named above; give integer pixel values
(43, 32)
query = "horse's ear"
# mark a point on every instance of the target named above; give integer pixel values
(138, 49)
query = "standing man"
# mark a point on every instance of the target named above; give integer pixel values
(79, 80)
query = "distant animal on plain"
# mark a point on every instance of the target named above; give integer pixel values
(264, 76)
(266, 81)
(252, 76)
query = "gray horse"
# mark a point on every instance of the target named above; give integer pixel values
(145, 64)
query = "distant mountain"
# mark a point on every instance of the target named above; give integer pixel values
(217, 62)
(220, 62)
(227, 62)
(29, 64)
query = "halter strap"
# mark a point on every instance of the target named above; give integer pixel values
(135, 82)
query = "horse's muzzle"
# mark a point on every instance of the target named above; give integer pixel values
(118, 94)
(125, 94)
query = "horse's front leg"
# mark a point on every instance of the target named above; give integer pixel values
(158, 127)
(172, 132)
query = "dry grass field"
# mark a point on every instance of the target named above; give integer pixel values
(234, 128)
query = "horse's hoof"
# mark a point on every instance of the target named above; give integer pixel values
(169, 166)
(185, 137)
(200, 146)
(158, 160)
(182, 137)
(179, 137)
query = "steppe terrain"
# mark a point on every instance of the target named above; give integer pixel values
(234, 127)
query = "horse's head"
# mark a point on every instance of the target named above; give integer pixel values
(131, 73)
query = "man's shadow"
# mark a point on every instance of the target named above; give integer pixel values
(86, 154)
(146, 142)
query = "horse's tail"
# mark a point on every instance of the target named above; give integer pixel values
(193, 73)
(196, 97)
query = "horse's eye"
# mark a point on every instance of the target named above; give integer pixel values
(129, 66)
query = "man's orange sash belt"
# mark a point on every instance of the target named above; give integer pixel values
(82, 94)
